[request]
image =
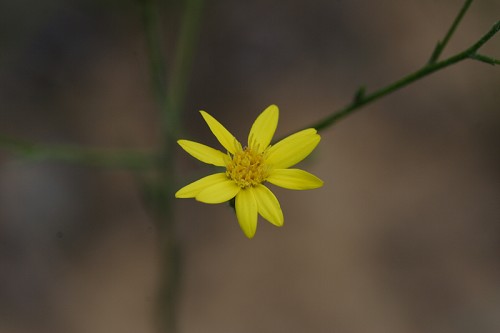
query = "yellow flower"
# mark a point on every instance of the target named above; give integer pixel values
(249, 167)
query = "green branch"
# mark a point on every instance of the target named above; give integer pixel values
(361, 99)
(485, 59)
(442, 44)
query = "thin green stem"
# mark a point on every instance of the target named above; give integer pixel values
(172, 248)
(108, 158)
(157, 64)
(157, 191)
(442, 44)
(183, 62)
(485, 59)
(170, 96)
(363, 99)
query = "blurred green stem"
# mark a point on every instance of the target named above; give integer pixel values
(157, 64)
(107, 158)
(183, 61)
(170, 98)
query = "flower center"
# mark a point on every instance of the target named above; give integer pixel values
(247, 168)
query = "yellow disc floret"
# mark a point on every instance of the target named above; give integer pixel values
(247, 168)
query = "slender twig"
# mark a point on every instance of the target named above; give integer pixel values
(442, 44)
(363, 99)
(97, 157)
(485, 59)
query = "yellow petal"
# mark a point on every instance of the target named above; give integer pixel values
(268, 206)
(294, 179)
(263, 129)
(192, 190)
(219, 192)
(246, 211)
(203, 153)
(226, 139)
(293, 149)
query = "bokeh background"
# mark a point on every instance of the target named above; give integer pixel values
(403, 237)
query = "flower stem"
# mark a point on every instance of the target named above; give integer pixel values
(361, 99)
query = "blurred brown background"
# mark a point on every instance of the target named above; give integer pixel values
(403, 237)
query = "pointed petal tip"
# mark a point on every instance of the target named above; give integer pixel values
(272, 107)
(180, 195)
(249, 235)
(205, 114)
(319, 184)
(248, 232)
(181, 142)
(309, 131)
(278, 223)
